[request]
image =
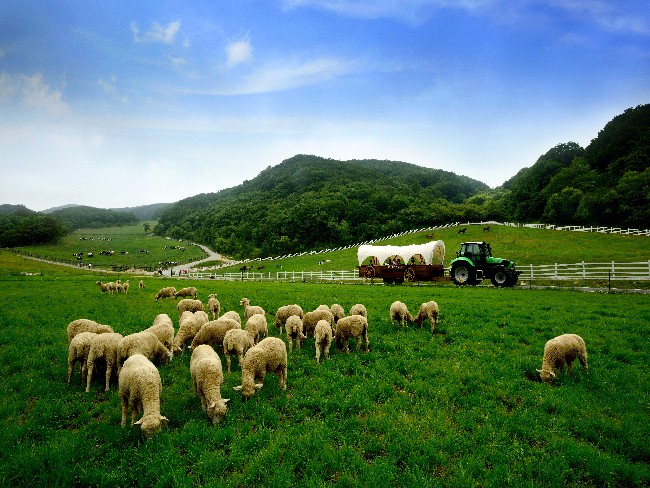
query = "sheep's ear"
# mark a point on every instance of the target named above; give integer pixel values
(164, 420)
(237, 388)
(139, 422)
(258, 385)
(226, 400)
(538, 370)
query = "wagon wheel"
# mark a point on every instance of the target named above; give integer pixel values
(370, 272)
(409, 274)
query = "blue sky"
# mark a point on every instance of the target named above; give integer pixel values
(112, 104)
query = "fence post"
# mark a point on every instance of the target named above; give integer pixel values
(613, 270)
(531, 272)
(555, 270)
(584, 274)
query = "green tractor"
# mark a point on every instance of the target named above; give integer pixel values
(474, 263)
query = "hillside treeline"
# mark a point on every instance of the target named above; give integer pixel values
(309, 202)
(90, 217)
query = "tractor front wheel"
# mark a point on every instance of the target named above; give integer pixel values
(500, 278)
(463, 274)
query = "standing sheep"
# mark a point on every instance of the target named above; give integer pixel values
(284, 313)
(428, 311)
(103, 346)
(238, 341)
(141, 284)
(250, 310)
(294, 329)
(167, 292)
(232, 315)
(270, 355)
(355, 326)
(399, 313)
(86, 325)
(163, 329)
(310, 320)
(359, 309)
(145, 343)
(207, 377)
(337, 311)
(190, 291)
(78, 353)
(189, 326)
(214, 306)
(103, 287)
(323, 339)
(257, 326)
(125, 286)
(214, 331)
(139, 389)
(561, 350)
(189, 305)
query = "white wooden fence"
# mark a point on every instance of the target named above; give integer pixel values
(635, 271)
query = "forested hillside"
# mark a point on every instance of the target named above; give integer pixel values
(83, 216)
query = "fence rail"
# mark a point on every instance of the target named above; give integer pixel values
(635, 271)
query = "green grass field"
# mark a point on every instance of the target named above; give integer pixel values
(460, 407)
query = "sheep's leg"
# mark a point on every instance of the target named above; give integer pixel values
(125, 409)
(317, 353)
(327, 350)
(109, 372)
(569, 367)
(89, 374)
(298, 342)
(70, 370)
(228, 361)
(583, 361)
(365, 339)
(282, 375)
(291, 343)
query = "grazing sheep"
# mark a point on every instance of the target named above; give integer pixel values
(213, 332)
(189, 305)
(270, 355)
(190, 291)
(250, 310)
(428, 311)
(163, 329)
(78, 353)
(284, 313)
(257, 326)
(125, 286)
(214, 306)
(189, 325)
(337, 311)
(310, 320)
(238, 341)
(232, 315)
(86, 325)
(145, 343)
(103, 287)
(112, 286)
(559, 351)
(139, 390)
(103, 346)
(359, 309)
(207, 376)
(355, 326)
(141, 284)
(399, 313)
(323, 339)
(293, 328)
(167, 292)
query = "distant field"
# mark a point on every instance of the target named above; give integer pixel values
(459, 407)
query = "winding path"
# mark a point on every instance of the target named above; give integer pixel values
(212, 256)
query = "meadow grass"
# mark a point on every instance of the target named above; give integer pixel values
(461, 406)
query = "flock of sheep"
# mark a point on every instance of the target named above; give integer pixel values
(139, 384)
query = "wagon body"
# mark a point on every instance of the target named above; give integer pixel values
(396, 264)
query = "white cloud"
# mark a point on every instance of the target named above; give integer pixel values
(158, 33)
(37, 94)
(110, 88)
(239, 52)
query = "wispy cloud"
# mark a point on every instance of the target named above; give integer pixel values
(158, 33)
(31, 91)
(110, 88)
(610, 15)
(239, 52)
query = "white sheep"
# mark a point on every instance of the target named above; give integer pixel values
(125, 286)
(189, 291)
(213, 332)
(337, 311)
(428, 311)
(232, 315)
(86, 325)
(310, 320)
(359, 309)
(188, 327)
(167, 292)
(103, 287)
(207, 377)
(270, 355)
(141, 284)
(163, 329)
(399, 313)
(257, 326)
(323, 339)
(237, 341)
(139, 390)
(145, 343)
(355, 326)
(214, 306)
(561, 350)
(188, 304)
(294, 330)
(102, 347)
(112, 286)
(284, 313)
(78, 353)
(250, 310)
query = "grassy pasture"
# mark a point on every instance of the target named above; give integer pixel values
(459, 407)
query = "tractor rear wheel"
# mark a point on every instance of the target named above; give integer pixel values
(463, 274)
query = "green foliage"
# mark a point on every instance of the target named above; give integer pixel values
(90, 217)
(29, 229)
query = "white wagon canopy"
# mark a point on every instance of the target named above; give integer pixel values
(431, 253)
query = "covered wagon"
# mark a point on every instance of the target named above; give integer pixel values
(394, 264)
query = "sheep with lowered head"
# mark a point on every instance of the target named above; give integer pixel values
(189, 291)
(250, 310)
(163, 328)
(284, 313)
(167, 292)
(355, 326)
(145, 343)
(207, 376)
(323, 339)
(399, 313)
(189, 326)
(561, 350)
(103, 347)
(268, 356)
(257, 326)
(359, 309)
(231, 315)
(139, 389)
(214, 306)
(237, 341)
(428, 311)
(78, 353)
(189, 305)
(310, 320)
(293, 328)
(337, 312)
(86, 325)
(213, 332)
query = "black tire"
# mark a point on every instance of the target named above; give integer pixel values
(512, 280)
(500, 278)
(463, 274)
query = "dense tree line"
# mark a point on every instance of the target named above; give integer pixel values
(90, 217)
(29, 228)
